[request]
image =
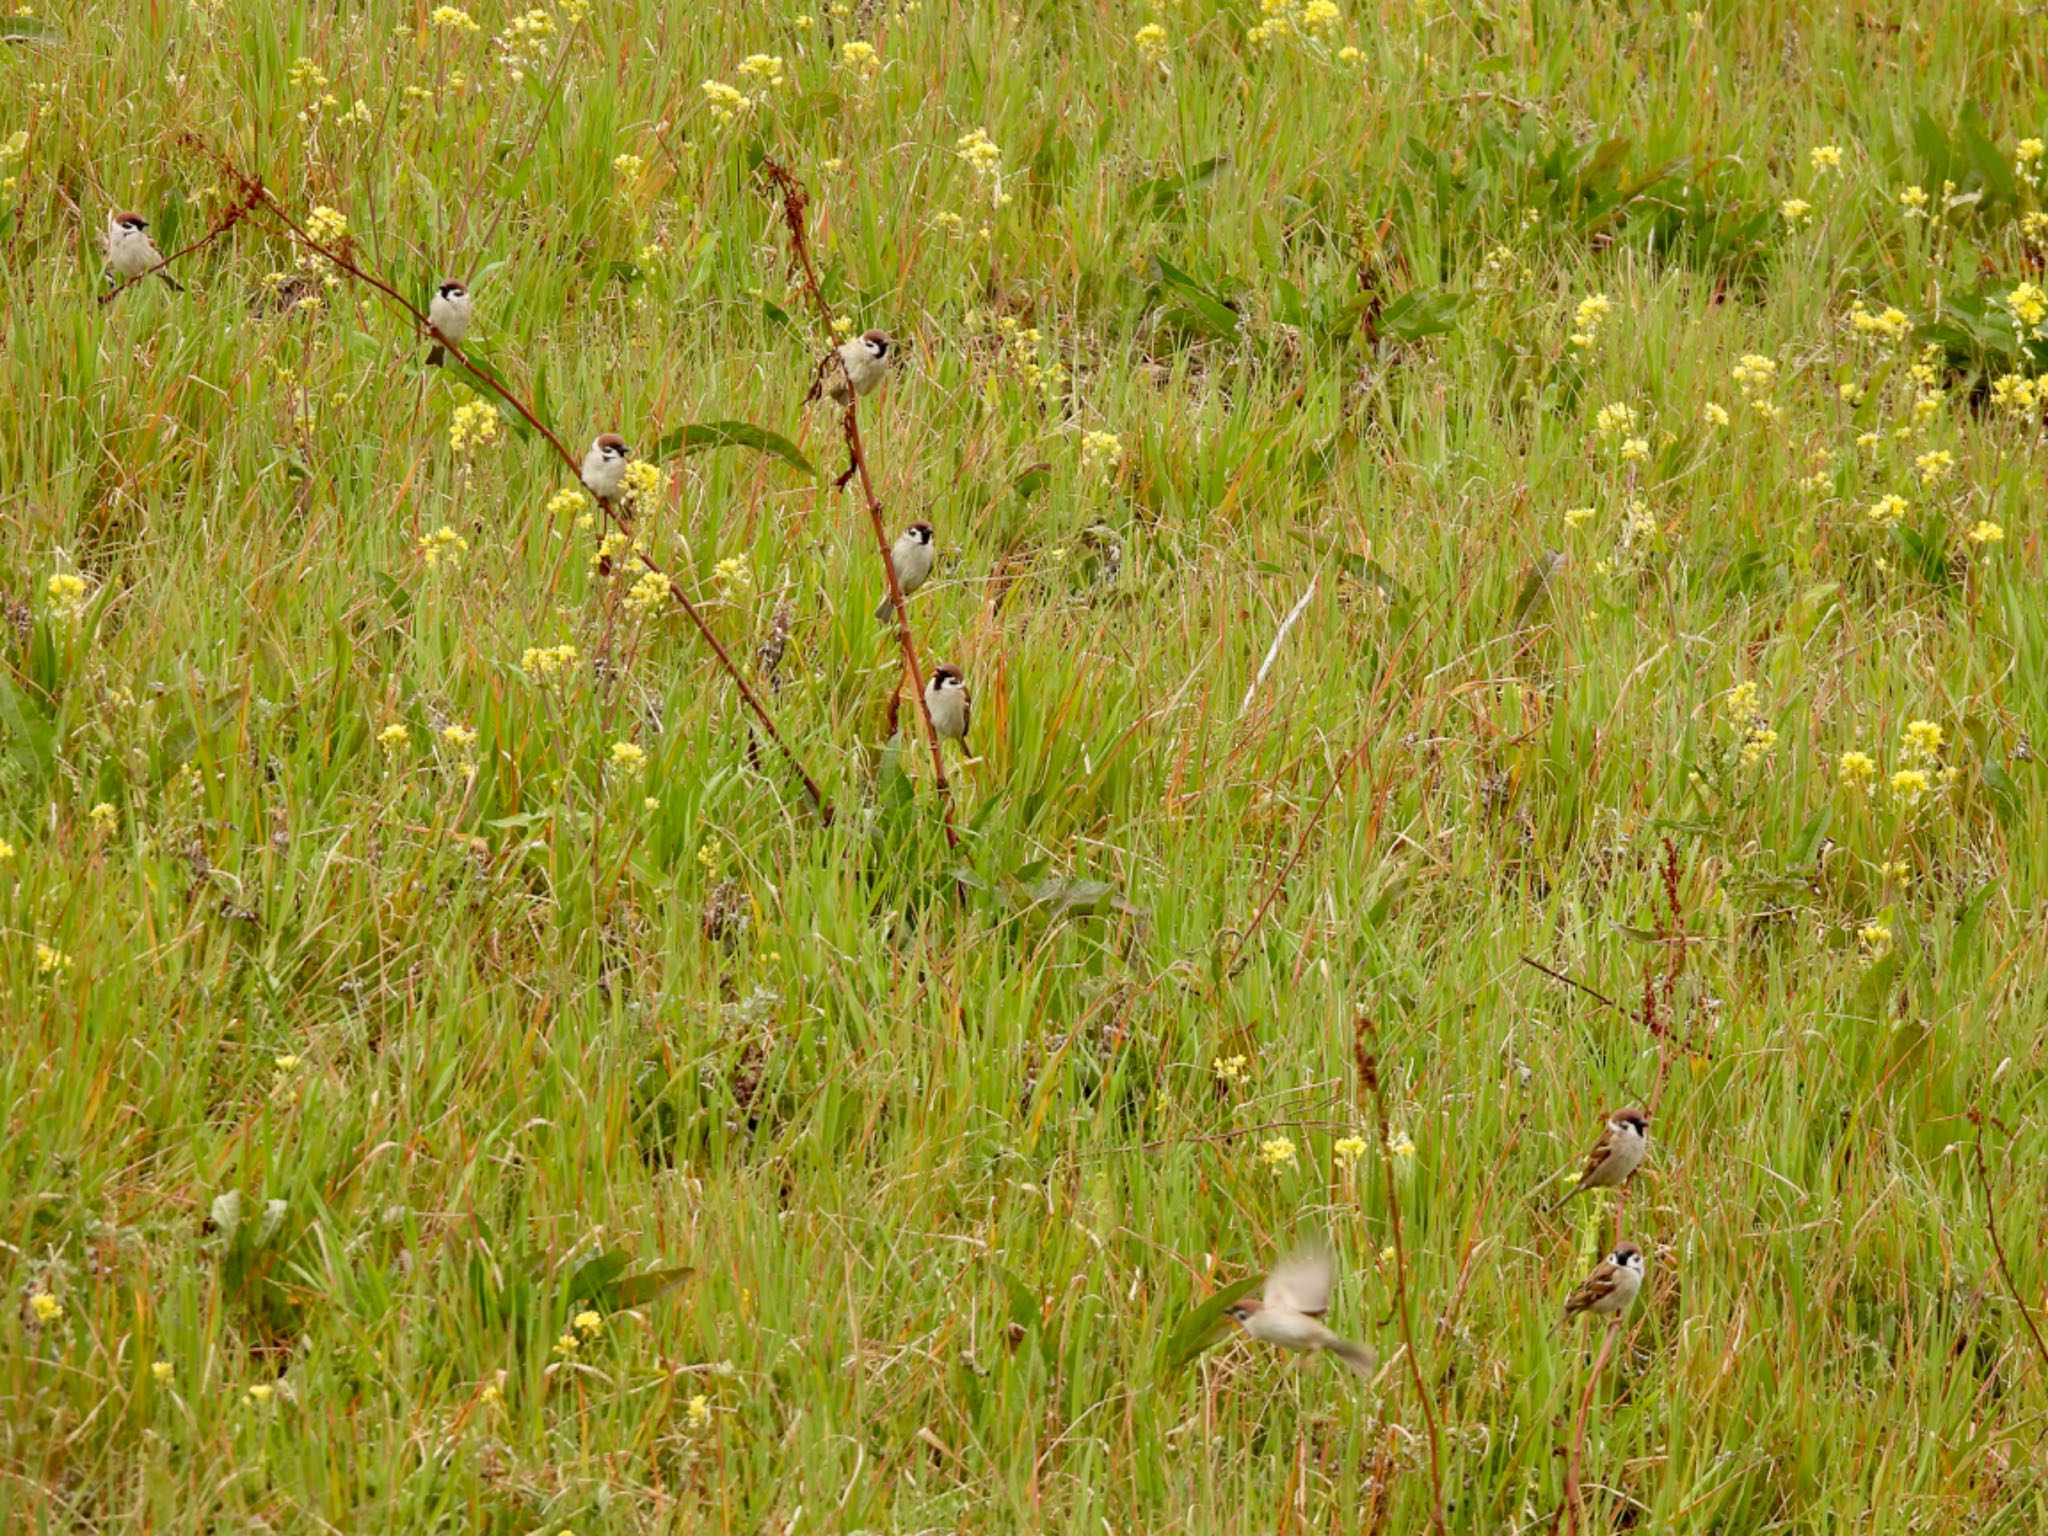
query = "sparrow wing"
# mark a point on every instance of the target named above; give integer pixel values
(1598, 1287)
(1602, 1150)
(1301, 1283)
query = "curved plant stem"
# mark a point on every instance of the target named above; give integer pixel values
(256, 193)
(795, 202)
(1369, 1084)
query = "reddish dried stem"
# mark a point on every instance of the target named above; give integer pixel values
(1369, 1083)
(227, 222)
(795, 200)
(255, 192)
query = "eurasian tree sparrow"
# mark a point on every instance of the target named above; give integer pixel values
(951, 708)
(912, 555)
(449, 314)
(1617, 1154)
(867, 358)
(130, 251)
(1611, 1289)
(604, 467)
(1296, 1299)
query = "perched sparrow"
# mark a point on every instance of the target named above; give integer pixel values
(947, 699)
(450, 315)
(604, 467)
(912, 555)
(1617, 1154)
(867, 359)
(1297, 1297)
(130, 251)
(1611, 1289)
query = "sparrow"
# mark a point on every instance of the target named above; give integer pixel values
(449, 314)
(1611, 1289)
(1296, 1299)
(1616, 1155)
(604, 467)
(130, 251)
(867, 359)
(912, 555)
(946, 697)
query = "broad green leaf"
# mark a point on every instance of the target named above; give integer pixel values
(1198, 1330)
(700, 436)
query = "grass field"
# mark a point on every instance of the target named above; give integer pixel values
(456, 1078)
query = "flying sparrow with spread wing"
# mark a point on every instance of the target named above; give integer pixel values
(1295, 1301)
(1611, 1289)
(867, 359)
(130, 251)
(604, 466)
(1616, 1155)
(449, 314)
(951, 707)
(912, 555)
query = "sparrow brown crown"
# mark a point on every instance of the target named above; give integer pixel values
(451, 289)
(947, 673)
(611, 442)
(922, 530)
(131, 220)
(1639, 1118)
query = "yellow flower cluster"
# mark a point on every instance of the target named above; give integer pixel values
(1795, 210)
(1825, 157)
(1889, 323)
(2029, 306)
(524, 42)
(640, 485)
(1151, 41)
(1230, 1070)
(1615, 419)
(626, 169)
(765, 67)
(2017, 395)
(649, 594)
(1101, 450)
(47, 1308)
(68, 597)
(1888, 511)
(627, 756)
(860, 59)
(1856, 770)
(444, 546)
(566, 500)
(1348, 1149)
(731, 574)
(394, 739)
(1587, 319)
(327, 226)
(450, 19)
(1294, 18)
(1277, 1153)
(51, 962)
(727, 102)
(475, 424)
(548, 663)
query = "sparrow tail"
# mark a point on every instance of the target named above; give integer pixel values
(882, 609)
(437, 357)
(1357, 1356)
(180, 287)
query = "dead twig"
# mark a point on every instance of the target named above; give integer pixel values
(795, 209)
(1370, 1089)
(254, 191)
(1977, 1118)
(222, 225)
